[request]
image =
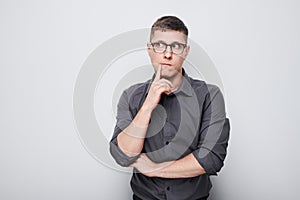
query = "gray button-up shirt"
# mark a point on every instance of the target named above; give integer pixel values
(190, 120)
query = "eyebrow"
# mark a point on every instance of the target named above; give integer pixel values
(169, 43)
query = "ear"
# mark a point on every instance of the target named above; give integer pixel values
(149, 48)
(186, 51)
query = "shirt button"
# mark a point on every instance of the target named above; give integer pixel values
(167, 142)
(168, 188)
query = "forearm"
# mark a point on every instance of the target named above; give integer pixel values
(182, 168)
(186, 167)
(131, 139)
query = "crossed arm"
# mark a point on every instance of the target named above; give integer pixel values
(131, 141)
(185, 167)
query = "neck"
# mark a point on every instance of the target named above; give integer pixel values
(176, 81)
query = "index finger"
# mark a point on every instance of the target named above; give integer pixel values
(157, 76)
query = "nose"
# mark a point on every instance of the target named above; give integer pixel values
(168, 53)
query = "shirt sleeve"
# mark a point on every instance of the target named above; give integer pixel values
(124, 118)
(214, 132)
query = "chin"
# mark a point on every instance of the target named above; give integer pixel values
(168, 75)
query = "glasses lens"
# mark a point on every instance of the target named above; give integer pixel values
(159, 47)
(177, 48)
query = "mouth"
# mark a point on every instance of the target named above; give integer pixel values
(165, 64)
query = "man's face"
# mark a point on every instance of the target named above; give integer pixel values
(170, 62)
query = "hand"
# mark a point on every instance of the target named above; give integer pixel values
(158, 87)
(147, 167)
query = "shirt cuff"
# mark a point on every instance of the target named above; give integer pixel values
(120, 157)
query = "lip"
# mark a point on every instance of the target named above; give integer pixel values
(168, 64)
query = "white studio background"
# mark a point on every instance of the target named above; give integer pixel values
(255, 46)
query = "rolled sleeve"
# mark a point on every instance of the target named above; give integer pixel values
(124, 118)
(120, 157)
(214, 133)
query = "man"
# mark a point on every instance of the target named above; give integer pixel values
(171, 129)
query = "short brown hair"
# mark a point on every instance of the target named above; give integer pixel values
(169, 23)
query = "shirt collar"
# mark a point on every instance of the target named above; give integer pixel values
(185, 86)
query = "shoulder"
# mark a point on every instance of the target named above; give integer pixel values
(202, 86)
(136, 90)
(209, 96)
(205, 91)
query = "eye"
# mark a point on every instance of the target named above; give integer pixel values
(176, 46)
(158, 45)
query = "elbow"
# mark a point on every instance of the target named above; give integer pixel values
(213, 167)
(120, 157)
(218, 166)
(211, 163)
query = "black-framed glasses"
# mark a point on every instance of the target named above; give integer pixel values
(161, 47)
